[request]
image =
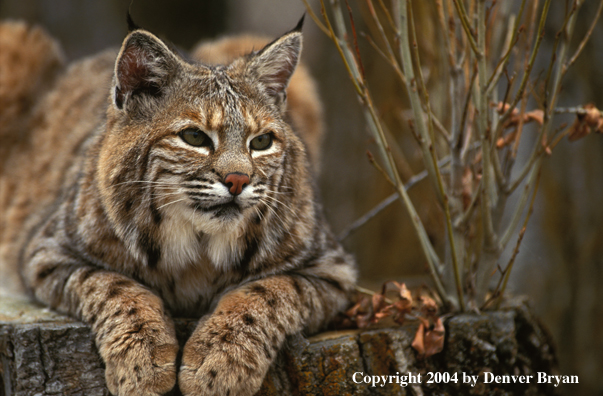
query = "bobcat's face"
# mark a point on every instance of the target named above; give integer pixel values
(195, 153)
(221, 162)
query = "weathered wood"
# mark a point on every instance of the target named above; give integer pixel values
(43, 353)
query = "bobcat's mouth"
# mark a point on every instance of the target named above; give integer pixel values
(227, 209)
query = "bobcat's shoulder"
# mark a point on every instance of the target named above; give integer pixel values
(153, 186)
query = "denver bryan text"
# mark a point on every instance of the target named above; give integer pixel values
(541, 378)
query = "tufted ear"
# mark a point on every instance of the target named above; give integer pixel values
(274, 65)
(143, 68)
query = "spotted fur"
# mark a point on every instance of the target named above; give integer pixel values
(111, 216)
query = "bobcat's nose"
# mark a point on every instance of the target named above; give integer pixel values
(236, 182)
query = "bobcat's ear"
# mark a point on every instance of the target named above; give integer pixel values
(274, 65)
(143, 68)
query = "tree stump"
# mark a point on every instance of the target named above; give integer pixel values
(44, 353)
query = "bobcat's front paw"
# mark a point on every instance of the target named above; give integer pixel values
(222, 360)
(142, 360)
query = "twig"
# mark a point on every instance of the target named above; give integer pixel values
(516, 216)
(388, 15)
(406, 24)
(353, 73)
(559, 137)
(368, 292)
(485, 134)
(385, 203)
(400, 10)
(487, 191)
(444, 27)
(585, 39)
(377, 130)
(440, 127)
(368, 216)
(510, 44)
(393, 63)
(573, 110)
(568, 28)
(511, 155)
(379, 168)
(315, 18)
(471, 208)
(519, 130)
(359, 84)
(460, 9)
(355, 36)
(528, 69)
(375, 18)
(519, 240)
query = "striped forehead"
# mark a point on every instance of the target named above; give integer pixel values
(220, 106)
(225, 110)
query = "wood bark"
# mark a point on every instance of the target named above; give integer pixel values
(44, 353)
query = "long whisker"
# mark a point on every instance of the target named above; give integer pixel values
(165, 194)
(293, 212)
(278, 186)
(259, 213)
(282, 193)
(170, 203)
(282, 222)
(149, 182)
(272, 209)
(262, 172)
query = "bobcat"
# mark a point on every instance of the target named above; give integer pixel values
(138, 186)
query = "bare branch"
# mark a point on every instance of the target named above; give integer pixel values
(585, 39)
(385, 203)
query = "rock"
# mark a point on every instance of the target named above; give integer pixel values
(44, 353)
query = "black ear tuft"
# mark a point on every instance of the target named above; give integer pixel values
(143, 67)
(131, 24)
(300, 24)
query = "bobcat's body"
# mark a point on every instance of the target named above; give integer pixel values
(141, 186)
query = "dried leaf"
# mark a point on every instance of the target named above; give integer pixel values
(429, 308)
(502, 107)
(535, 115)
(370, 310)
(586, 122)
(404, 293)
(578, 130)
(514, 119)
(433, 340)
(506, 140)
(378, 302)
(354, 310)
(402, 306)
(386, 287)
(593, 115)
(418, 344)
(363, 321)
(399, 317)
(467, 183)
(380, 315)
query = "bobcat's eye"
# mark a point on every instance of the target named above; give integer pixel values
(195, 137)
(262, 142)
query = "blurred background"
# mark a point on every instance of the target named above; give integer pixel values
(560, 264)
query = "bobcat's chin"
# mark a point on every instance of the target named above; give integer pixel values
(225, 211)
(223, 218)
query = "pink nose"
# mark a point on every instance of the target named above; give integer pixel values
(236, 182)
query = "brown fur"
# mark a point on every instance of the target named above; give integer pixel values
(110, 214)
